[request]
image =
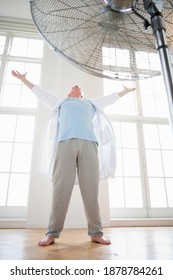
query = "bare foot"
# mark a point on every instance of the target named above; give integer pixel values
(48, 240)
(101, 239)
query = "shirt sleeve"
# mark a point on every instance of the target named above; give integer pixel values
(105, 101)
(45, 97)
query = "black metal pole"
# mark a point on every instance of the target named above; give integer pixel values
(159, 31)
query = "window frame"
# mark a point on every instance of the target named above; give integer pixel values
(17, 212)
(139, 119)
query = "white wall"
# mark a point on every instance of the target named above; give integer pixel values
(15, 9)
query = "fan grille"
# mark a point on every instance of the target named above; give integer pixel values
(81, 31)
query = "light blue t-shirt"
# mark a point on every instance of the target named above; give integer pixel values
(75, 120)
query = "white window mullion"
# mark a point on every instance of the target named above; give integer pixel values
(143, 167)
(6, 203)
(124, 197)
(4, 60)
(164, 175)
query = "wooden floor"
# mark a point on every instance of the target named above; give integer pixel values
(146, 243)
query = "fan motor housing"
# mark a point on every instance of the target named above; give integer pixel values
(121, 6)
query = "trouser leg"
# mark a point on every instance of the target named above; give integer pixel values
(88, 175)
(64, 174)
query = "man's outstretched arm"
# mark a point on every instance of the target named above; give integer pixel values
(47, 98)
(110, 99)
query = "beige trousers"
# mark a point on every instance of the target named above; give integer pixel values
(81, 155)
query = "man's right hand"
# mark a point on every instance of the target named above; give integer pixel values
(18, 75)
(22, 78)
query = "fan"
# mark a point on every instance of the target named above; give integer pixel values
(93, 34)
(108, 38)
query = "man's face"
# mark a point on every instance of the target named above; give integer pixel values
(75, 92)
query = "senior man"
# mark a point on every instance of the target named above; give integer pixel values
(82, 144)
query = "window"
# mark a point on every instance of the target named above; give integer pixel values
(121, 107)
(159, 155)
(147, 61)
(18, 108)
(116, 57)
(153, 95)
(144, 143)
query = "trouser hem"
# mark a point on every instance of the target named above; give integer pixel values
(52, 235)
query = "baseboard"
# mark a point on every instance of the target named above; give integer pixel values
(113, 223)
(13, 223)
(155, 222)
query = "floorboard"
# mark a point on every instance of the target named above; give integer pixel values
(142, 243)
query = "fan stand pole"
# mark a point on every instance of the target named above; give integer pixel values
(159, 31)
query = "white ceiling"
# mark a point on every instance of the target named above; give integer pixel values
(15, 9)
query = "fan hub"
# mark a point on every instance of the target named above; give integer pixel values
(121, 6)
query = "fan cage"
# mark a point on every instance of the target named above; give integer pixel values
(83, 31)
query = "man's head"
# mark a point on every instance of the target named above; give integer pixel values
(75, 92)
